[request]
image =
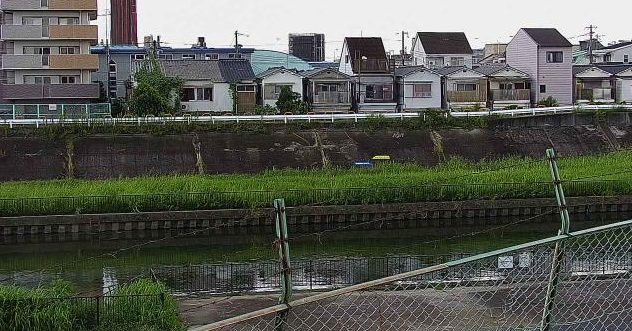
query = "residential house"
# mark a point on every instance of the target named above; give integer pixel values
(603, 83)
(207, 84)
(418, 88)
(546, 56)
(463, 88)
(507, 86)
(494, 54)
(617, 53)
(327, 90)
(365, 60)
(442, 49)
(273, 80)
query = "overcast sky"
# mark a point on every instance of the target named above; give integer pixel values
(268, 22)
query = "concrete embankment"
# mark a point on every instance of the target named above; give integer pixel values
(432, 215)
(114, 156)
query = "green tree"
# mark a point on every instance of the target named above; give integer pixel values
(155, 93)
(290, 102)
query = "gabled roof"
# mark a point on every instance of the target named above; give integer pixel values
(330, 65)
(446, 71)
(547, 37)
(235, 71)
(371, 48)
(263, 60)
(491, 69)
(407, 71)
(445, 43)
(617, 46)
(276, 70)
(613, 69)
(318, 71)
(192, 70)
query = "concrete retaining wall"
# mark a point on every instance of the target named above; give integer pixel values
(436, 214)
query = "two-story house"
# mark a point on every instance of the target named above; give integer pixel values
(547, 57)
(365, 60)
(442, 49)
(617, 53)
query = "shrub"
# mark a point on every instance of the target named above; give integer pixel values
(548, 102)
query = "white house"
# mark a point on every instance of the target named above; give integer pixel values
(603, 83)
(463, 88)
(418, 88)
(442, 49)
(273, 80)
(365, 60)
(624, 86)
(507, 86)
(617, 53)
(547, 57)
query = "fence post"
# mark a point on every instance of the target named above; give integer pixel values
(558, 255)
(284, 255)
(98, 311)
(14, 112)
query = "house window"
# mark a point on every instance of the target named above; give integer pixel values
(346, 58)
(138, 57)
(188, 94)
(422, 90)
(245, 88)
(211, 57)
(626, 58)
(69, 79)
(112, 67)
(466, 87)
(505, 86)
(43, 3)
(69, 21)
(542, 88)
(234, 56)
(328, 88)
(279, 88)
(166, 56)
(197, 94)
(113, 94)
(555, 57)
(68, 50)
(188, 56)
(457, 61)
(379, 92)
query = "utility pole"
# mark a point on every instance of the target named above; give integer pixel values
(237, 45)
(284, 256)
(591, 31)
(404, 35)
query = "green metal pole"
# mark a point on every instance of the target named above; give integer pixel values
(558, 254)
(284, 256)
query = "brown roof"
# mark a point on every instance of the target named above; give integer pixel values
(445, 43)
(371, 48)
(548, 37)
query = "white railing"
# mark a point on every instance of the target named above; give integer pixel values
(297, 118)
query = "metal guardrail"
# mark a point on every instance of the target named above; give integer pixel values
(503, 290)
(208, 117)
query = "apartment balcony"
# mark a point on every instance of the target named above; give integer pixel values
(370, 66)
(74, 62)
(53, 32)
(511, 95)
(50, 91)
(58, 5)
(467, 96)
(596, 95)
(332, 98)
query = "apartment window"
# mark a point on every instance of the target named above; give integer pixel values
(555, 57)
(245, 88)
(211, 57)
(457, 61)
(112, 67)
(188, 56)
(68, 50)
(69, 79)
(626, 58)
(36, 50)
(113, 94)
(69, 21)
(422, 90)
(112, 81)
(466, 87)
(42, 80)
(138, 57)
(166, 56)
(43, 3)
(542, 88)
(31, 20)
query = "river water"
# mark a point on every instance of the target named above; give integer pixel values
(244, 259)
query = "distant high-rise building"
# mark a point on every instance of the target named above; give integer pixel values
(309, 47)
(124, 22)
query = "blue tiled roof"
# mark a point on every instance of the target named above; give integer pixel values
(262, 60)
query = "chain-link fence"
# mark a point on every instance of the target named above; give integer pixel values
(10, 112)
(580, 281)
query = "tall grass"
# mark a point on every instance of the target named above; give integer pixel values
(454, 180)
(142, 305)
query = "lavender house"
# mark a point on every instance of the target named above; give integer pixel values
(547, 57)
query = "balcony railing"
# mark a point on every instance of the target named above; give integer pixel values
(50, 91)
(371, 66)
(77, 61)
(80, 32)
(32, 61)
(72, 5)
(22, 32)
(511, 95)
(596, 94)
(467, 96)
(332, 98)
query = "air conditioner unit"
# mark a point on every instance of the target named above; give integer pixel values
(184, 107)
